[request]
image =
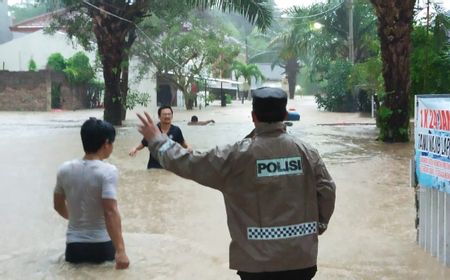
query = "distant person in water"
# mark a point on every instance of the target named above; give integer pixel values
(165, 114)
(195, 121)
(86, 195)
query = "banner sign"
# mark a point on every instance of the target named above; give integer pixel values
(432, 141)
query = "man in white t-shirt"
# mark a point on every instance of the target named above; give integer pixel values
(86, 195)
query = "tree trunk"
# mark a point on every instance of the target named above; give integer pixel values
(394, 29)
(111, 34)
(292, 68)
(125, 72)
(189, 102)
(249, 93)
(124, 92)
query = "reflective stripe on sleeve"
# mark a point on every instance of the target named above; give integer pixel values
(164, 147)
(282, 232)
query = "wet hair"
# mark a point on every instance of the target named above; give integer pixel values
(270, 109)
(164, 107)
(194, 119)
(94, 133)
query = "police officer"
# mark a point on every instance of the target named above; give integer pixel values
(278, 193)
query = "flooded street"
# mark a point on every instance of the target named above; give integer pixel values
(176, 229)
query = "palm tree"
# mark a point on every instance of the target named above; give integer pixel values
(394, 30)
(291, 46)
(295, 43)
(247, 71)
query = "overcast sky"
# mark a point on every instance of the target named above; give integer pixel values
(283, 4)
(288, 3)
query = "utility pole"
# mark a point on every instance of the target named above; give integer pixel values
(351, 47)
(425, 76)
(246, 49)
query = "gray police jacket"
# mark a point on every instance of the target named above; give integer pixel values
(277, 191)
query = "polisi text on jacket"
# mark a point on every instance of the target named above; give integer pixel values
(279, 166)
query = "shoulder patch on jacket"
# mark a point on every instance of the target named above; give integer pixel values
(279, 166)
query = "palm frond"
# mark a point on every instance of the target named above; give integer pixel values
(255, 11)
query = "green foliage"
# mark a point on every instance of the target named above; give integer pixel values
(255, 11)
(95, 89)
(247, 71)
(78, 70)
(337, 95)
(186, 51)
(430, 63)
(135, 98)
(384, 113)
(32, 65)
(228, 98)
(367, 81)
(383, 117)
(81, 21)
(304, 80)
(56, 95)
(211, 98)
(322, 53)
(225, 55)
(56, 62)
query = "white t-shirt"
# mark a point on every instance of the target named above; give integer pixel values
(84, 183)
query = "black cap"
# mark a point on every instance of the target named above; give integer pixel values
(269, 104)
(269, 92)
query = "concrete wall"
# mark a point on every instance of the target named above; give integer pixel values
(25, 91)
(31, 91)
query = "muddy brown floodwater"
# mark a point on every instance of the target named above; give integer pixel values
(176, 229)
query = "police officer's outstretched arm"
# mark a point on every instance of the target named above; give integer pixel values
(326, 194)
(206, 168)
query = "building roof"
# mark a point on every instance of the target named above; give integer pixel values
(36, 23)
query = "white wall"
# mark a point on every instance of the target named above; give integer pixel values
(147, 85)
(17, 53)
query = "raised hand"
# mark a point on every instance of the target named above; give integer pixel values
(147, 128)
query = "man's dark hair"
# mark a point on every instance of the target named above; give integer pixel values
(164, 107)
(194, 119)
(269, 105)
(94, 133)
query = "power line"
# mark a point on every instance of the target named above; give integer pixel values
(145, 35)
(315, 15)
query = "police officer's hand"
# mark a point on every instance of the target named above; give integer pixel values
(148, 128)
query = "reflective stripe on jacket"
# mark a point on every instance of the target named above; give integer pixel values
(276, 189)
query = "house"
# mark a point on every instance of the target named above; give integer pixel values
(275, 74)
(30, 42)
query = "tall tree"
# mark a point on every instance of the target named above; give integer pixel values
(112, 22)
(395, 20)
(183, 51)
(291, 47)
